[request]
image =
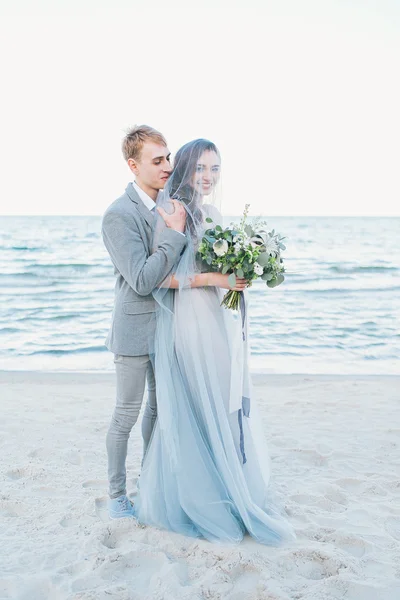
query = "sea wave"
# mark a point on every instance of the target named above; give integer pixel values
(61, 351)
(363, 269)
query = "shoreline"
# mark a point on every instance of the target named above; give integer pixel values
(256, 374)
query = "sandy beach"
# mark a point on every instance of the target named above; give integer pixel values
(335, 448)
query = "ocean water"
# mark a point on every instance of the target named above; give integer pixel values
(338, 310)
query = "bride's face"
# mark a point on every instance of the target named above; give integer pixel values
(207, 173)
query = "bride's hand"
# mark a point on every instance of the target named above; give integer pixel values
(221, 281)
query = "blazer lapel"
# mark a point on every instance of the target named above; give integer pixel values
(144, 211)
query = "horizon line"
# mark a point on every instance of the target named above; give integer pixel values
(396, 216)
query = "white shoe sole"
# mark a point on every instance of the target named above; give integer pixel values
(122, 517)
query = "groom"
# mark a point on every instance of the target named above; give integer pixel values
(127, 234)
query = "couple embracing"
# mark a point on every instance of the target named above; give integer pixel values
(205, 466)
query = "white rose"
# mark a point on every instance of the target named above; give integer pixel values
(220, 247)
(258, 269)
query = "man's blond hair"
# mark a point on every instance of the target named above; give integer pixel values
(132, 143)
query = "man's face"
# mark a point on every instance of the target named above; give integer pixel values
(153, 167)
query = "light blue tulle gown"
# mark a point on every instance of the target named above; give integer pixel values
(206, 470)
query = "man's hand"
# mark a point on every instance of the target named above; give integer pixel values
(177, 219)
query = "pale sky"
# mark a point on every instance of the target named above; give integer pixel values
(302, 97)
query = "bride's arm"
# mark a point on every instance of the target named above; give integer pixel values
(205, 280)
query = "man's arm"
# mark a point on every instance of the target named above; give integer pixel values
(127, 251)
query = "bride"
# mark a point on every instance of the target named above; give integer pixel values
(206, 470)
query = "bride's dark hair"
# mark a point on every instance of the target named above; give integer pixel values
(186, 159)
(180, 184)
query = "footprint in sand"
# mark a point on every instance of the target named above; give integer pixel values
(135, 569)
(41, 453)
(313, 564)
(110, 537)
(393, 486)
(349, 543)
(350, 483)
(72, 457)
(374, 489)
(101, 509)
(323, 502)
(16, 474)
(39, 586)
(392, 526)
(48, 491)
(24, 472)
(333, 493)
(241, 575)
(12, 509)
(310, 457)
(95, 484)
(306, 499)
(370, 591)
(69, 521)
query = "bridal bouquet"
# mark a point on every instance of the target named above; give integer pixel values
(244, 250)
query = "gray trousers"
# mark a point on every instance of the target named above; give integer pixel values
(132, 372)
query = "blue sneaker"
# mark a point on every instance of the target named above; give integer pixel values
(120, 507)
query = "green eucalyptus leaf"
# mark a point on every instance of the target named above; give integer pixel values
(232, 280)
(209, 220)
(267, 277)
(276, 281)
(225, 269)
(239, 273)
(210, 239)
(263, 259)
(272, 283)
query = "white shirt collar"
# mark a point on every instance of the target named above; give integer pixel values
(145, 198)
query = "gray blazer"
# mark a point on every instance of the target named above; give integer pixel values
(127, 233)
